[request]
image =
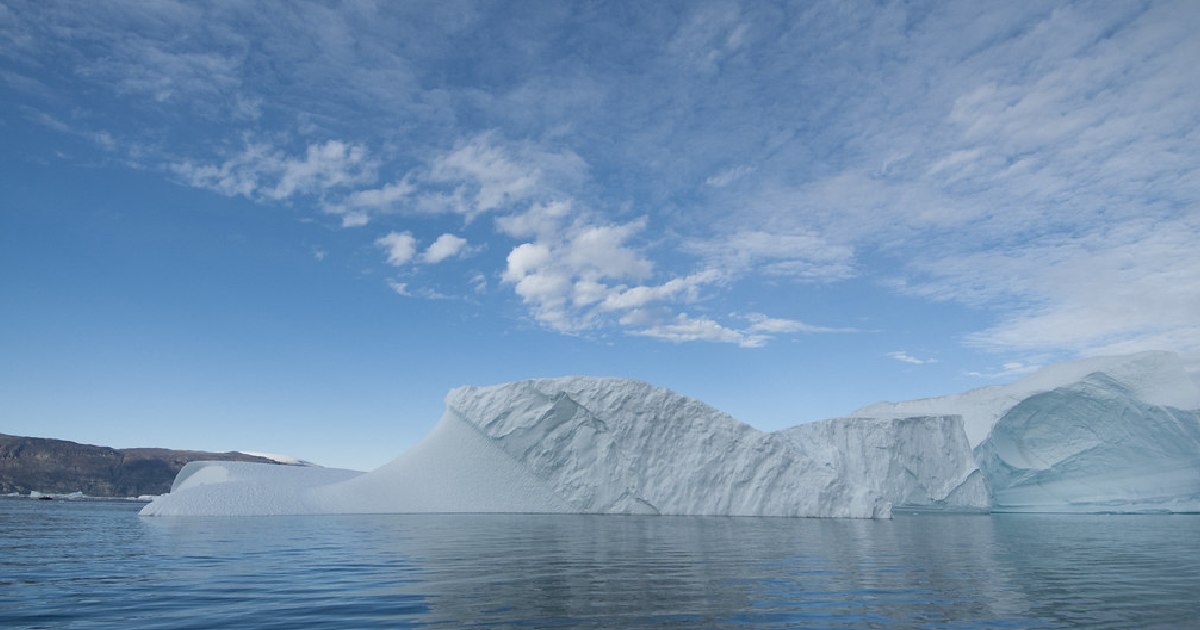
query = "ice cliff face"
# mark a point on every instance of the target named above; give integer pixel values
(613, 445)
(1100, 434)
(618, 446)
(914, 462)
(1093, 446)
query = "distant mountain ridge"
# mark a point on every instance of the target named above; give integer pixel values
(60, 466)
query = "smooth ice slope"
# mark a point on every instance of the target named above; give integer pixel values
(244, 489)
(1100, 434)
(617, 446)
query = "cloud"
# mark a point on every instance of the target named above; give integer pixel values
(563, 277)
(1007, 370)
(355, 219)
(712, 33)
(1034, 164)
(400, 247)
(262, 172)
(905, 357)
(728, 176)
(685, 328)
(482, 174)
(446, 246)
(685, 288)
(803, 256)
(1117, 288)
(359, 202)
(401, 288)
(760, 323)
(479, 283)
(542, 220)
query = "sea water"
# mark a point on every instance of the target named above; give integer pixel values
(98, 564)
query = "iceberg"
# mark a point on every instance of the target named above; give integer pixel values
(1106, 434)
(615, 446)
(1103, 434)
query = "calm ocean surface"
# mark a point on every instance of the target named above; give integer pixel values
(97, 564)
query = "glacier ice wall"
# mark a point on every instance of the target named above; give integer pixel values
(1093, 446)
(597, 445)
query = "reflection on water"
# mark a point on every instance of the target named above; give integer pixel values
(98, 564)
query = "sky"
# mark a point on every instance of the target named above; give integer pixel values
(292, 227)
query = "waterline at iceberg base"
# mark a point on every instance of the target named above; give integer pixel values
(1107, 434)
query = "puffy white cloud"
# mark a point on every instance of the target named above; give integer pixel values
(526, 259)
(446, 246)
(399, 246)
(542, 220)
(568, 277)
(601, 251)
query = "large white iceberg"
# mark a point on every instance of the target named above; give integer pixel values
(603, 445)
(1100, 434)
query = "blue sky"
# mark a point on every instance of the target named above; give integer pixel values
(292, 227)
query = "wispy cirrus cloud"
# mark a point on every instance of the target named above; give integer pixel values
(684, 328)
(904, 357)
(1035, 164)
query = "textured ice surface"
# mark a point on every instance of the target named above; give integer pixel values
(914, 462)
(617, 446)
(614, 445)
(1100, 434)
